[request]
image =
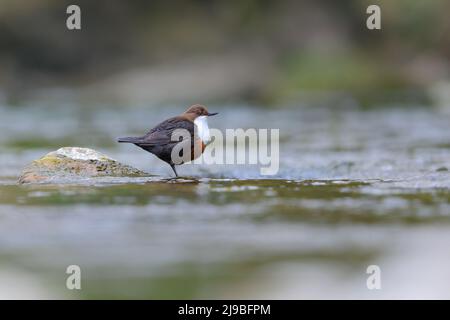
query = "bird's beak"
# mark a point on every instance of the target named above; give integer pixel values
(212, 114)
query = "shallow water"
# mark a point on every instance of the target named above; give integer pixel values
(355, 188)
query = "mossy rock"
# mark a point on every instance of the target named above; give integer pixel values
(70, 163)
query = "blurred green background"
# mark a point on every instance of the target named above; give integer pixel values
(364, 149)
(265, 52)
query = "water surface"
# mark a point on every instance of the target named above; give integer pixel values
(355, 188)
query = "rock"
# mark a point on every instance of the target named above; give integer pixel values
(70, 163)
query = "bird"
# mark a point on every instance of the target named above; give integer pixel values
(159, 140)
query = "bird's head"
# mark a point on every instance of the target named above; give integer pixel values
(197, 110)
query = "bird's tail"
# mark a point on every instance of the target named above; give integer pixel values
(129, 139)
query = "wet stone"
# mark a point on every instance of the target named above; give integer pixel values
(68, 164)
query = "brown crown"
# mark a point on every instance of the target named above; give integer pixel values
(195, 111)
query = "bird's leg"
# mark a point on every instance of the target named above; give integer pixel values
(174, 170)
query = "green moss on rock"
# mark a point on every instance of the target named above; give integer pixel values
(72, 162)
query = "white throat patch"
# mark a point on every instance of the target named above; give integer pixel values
(203, 129)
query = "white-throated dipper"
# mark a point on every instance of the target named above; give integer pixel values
(159, 140)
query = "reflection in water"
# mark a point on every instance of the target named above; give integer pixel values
(354, 188)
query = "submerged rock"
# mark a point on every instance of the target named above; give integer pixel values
(71, 163)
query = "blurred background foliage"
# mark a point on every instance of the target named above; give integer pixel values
(251, 51)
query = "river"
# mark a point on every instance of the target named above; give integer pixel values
(355, 188)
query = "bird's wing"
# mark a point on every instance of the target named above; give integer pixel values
(162, 133)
